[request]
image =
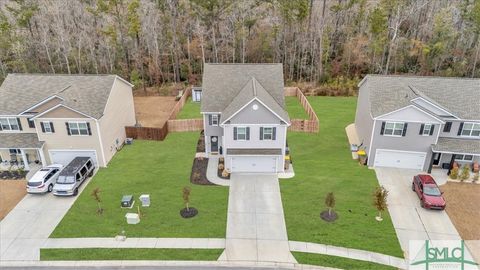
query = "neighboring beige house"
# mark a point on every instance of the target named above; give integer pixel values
(53, 118)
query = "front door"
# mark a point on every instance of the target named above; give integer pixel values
(436, 158)
(213, 143)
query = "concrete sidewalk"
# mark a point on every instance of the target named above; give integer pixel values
(212, 176)
(256, 229)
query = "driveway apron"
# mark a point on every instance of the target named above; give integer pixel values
(27, 227)
(410, 220)
(256, 229)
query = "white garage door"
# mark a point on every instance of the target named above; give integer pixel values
(65, 156)
(254, 164)
(397, 159)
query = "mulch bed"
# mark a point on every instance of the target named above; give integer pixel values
(201, 142)
(13, 175)
(188, 213)
(219, 172)
(329, 218)
(198, 175)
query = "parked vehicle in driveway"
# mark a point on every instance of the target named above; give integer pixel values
(73, 175)
(44, 179)
(428, 192)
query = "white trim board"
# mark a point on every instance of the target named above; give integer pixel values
(248, 103)
(57, 106)
(382, 117)
(41, 102)
(434, 105)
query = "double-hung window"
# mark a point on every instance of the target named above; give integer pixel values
(267, 133)
(241, 133)
(78, 128)
(9, 123)
(464, 157)
(214, 119)
(393, 129)
(427, 129)
(47, 127)
(471, 130)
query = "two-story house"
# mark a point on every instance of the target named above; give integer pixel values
(419, 122)
(48, 119)
(244, 115)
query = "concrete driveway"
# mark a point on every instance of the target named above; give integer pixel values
(411, 221)
(26, 228)
(256, 229)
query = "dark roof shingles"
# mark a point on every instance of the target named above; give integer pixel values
(85, 93)
(460, 96)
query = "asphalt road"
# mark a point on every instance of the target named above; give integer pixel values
(135, 268)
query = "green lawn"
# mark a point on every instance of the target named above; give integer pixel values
(337, 262)
(322, 164)
(160, 169)
(191, 110)
(295, 109)
(80, 254)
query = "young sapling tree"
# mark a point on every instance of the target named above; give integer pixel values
(380, 201)
(330, 202)
(96, 196)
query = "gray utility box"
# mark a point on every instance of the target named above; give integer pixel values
(127, 201)
(145, 199)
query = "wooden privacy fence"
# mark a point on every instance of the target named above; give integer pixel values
(171, 125)
(147, 133)
(185, 125)
(179, 125)
(181, 102)
(312, 124)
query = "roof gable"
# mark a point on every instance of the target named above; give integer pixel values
(410, 113)
(254, 91)
(61, 111)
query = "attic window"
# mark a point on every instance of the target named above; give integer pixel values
(255, 107)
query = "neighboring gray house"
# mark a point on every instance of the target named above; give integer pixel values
(244, 114)
(419, 122)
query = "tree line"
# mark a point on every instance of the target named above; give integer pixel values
(152, 42)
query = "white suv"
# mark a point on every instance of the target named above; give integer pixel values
(44, 179)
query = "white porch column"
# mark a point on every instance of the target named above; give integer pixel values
(42, 157)
(25, 161)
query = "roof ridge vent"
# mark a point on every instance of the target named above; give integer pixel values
(254, 87)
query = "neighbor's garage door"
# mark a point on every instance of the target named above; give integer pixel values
(396, 159)
(64, 157)
(254, 164)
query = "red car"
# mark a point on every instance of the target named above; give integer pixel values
(428, 192)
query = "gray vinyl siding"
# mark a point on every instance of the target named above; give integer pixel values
(363, 119)
(454, 130)
(212, 131)
(255, 141)
(250, 116)
(412, 141)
